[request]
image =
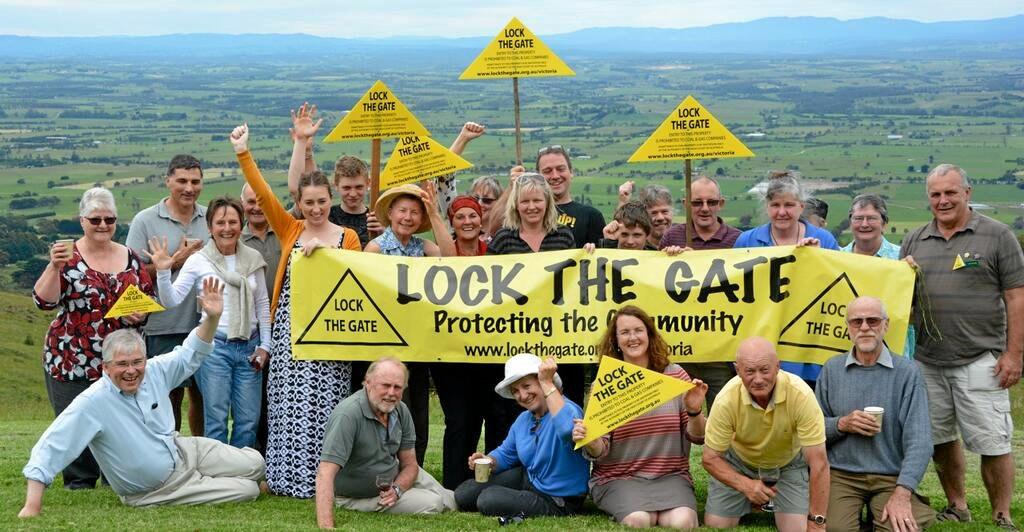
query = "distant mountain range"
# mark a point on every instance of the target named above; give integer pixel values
(789, 36)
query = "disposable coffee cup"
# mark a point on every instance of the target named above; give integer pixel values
(876, 411)
(67, 243)
(482, 469)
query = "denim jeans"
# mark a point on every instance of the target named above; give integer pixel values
(228, 382)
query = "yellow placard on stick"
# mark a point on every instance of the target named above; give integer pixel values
(622, 392)
(362, 306)
(516, 53)
(133, 300)
(690, 132)
(379, 114)
(417, 158)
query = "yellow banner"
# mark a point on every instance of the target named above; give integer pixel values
(133, 300)
(623, 391)
(348, 305)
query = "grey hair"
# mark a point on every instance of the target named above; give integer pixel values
(488, 182)
(871, 200)
(122, 341)
(375, 365)
(652, 195)
(785, 182)
(95, 199)
(946, 168)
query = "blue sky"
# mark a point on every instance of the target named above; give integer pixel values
(455, 18)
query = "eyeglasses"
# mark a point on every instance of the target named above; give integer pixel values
(484, 200)
(138, 363)
(554, 148)
(873, 321)
(868, 219)
(696, 204)
(109, 220)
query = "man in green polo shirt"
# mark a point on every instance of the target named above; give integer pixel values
(766, 427)
(369, 435)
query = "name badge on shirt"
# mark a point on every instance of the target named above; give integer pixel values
(965, 260)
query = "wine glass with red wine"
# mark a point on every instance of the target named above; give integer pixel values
(769, 477)
(383, 483)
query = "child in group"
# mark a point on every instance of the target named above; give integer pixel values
(629, 228)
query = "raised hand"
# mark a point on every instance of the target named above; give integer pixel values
(546, 371)
(472, 130)
(158, 253)
(625, 192)
(303, 127)
(239, 138)
(611, 231)
(60, 253)
(694, 398)
(579, 430)
(212, 298)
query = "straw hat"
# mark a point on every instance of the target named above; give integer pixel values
(517, 367)
(383, 206)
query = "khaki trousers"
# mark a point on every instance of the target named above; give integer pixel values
(207, 472)
(849, 492)
(426, 496)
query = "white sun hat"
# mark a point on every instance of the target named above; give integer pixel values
(517, 367)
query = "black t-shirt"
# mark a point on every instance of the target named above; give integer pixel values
(355, 222)
(586, 222)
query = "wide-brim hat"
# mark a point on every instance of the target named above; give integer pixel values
(517, 367)
(383, 206)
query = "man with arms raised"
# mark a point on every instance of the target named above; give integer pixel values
(368, 463)
(878, 461)
(181, 220)
(125, 419)
(970, 339)
(708, 232)
(765, 427)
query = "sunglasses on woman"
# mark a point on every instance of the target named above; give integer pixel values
(109, 220)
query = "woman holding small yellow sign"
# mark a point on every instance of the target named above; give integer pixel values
(641, 469)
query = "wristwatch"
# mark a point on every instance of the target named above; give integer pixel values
(398, 492)
(816, 519)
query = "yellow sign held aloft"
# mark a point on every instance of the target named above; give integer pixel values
(690, 132)
(133, 300)
(417, 158)
(622, 392)
(379, 114)
(516, 53)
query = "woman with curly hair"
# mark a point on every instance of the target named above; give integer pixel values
(641, 470)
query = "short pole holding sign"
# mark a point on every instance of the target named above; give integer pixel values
(519, 138)
(688, 172)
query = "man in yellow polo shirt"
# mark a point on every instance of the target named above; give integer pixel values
(763, 433)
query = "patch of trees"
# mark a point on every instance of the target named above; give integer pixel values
(32, 203)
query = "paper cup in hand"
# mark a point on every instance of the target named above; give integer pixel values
(876, 411)
(482, 469)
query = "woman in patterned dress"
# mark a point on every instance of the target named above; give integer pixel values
(300, 393)
(83, 280)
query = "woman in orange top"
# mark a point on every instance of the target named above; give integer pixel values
(300, 393)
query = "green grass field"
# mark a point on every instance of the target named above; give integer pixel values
(26, 414)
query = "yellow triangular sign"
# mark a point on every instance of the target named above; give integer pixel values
(132, 300)
(418, 158)
(690, 132)
(379, 114)
(516, 53)
(348, 316)
(958, 263)
(622, 392)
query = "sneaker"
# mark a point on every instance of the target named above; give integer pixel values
(1004, 522)
(952, 513)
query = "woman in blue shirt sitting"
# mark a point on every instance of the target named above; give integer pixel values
(535, 470)
(784, 200)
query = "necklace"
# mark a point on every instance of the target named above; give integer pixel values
(799, 235)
